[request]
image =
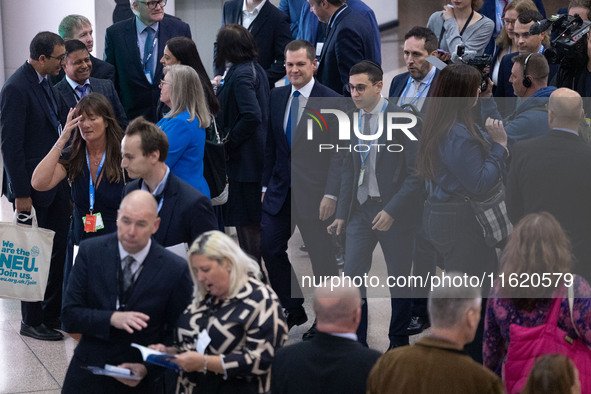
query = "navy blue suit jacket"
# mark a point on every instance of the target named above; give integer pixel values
(185, 214)
(271, 33)
(399, 83)
(350, 40)
(243, 118)
(400, 187)
(102, 69)
(314, 173)
(29, 130)
(138, 96)
(162, 291)
(102, 86)
(293, 9)
(322, 365)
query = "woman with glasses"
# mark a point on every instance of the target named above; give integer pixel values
(185, 124)
(460, 25)
(459, 162)
(226, 339)
(244, 102)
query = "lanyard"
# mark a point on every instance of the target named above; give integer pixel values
(418, 95)
(363, 158)
(151, 49)
(91, 189)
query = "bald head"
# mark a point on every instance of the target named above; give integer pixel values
(137, 220)
(565, 109)
(339, 310)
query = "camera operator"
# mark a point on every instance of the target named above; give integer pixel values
(529, 77)
(577, 75)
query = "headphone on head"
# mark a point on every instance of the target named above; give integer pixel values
(526, 80)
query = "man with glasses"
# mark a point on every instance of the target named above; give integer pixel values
(380, 197)
(30, 123)
(134, 46)
(525, 42)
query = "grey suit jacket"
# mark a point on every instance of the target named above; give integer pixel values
(69, 98)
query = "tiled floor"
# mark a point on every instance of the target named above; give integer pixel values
(31, 366)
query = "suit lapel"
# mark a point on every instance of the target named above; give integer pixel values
(168, 204)
(150, 269)
(40, 94)
(66, 93)
(282, 102)
(259, 21)
(331, 33)
(130, 39)
(113, 264)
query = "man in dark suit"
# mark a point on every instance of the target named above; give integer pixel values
(300, 184)
(78, 27)
(134, 46)
(270, 29)
(124, 288)
(349, 40)
(380, 196)
(184, 212)
(78, 83)
(30, 124)
(332, 362)
(549, 173)
(412, 87)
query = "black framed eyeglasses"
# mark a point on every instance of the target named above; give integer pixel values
(360, 88)
(152, 4)
(59, 58)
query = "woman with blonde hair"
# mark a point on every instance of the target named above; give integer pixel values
(185, 124)
(236, 317)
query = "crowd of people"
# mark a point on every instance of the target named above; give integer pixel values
(110, 154)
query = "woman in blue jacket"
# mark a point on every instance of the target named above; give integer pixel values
(185, 124)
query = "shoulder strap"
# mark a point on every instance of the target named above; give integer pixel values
(555, 308)
(571, 301)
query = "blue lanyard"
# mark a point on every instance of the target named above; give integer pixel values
(414, 100)
(151, 49)
(363, 158)
(91, 189)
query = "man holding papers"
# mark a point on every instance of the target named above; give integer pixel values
(124, 289)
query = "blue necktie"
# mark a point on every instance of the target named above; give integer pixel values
(148, 47)
(82, 89)
(293, 115)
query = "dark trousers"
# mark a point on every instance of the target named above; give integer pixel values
(397, 247)
(54, 217)
(276, 230)
(425, 259)
(454, 231)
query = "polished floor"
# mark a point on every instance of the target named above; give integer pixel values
(31, 366)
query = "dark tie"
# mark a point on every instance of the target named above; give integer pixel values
(82, 90)
(48, 95)
(363, 189)
(127, 274)
(149, 60)
(292, 118)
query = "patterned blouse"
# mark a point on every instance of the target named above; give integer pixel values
(501, 313)
(246, 330)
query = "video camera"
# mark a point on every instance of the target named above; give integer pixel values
(569, 45)
(480, 62)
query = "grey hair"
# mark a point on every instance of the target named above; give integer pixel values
(448, 303)
(186, 94)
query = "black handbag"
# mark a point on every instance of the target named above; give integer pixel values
(214, 164)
